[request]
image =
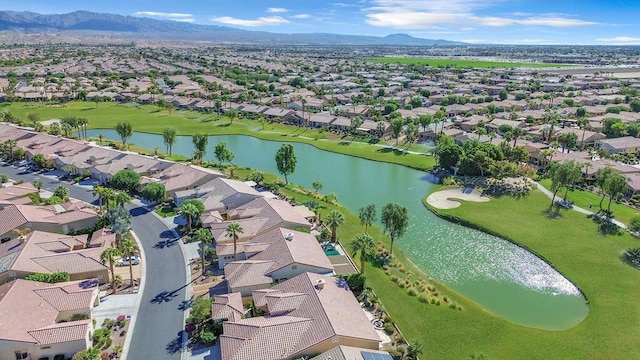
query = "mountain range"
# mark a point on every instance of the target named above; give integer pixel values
(132, 27)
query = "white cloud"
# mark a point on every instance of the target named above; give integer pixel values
(301, 16)
(620, 40)
(276, 10)
(261, 21)
(181, 17)
(415, 14)
(475, 41)
(163, 15)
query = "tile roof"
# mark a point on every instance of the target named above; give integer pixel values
(290, 246)
(49, 252)
(62, 332)
(26, 309)
(263, 338)
(228, 306)
(310, 315)
(247, 273)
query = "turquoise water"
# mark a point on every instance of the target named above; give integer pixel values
(504, 279)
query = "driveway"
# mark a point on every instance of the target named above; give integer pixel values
(160, 317)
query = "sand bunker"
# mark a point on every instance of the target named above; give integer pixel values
(446, 199)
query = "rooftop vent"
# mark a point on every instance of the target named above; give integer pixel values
(289, 236)
(320, 284)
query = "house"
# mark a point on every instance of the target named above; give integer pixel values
(39, 320)
(306, 315)
(584, 136)
(293, 252)
(258, 216)
(181, 177)
(219, 194)
(44, 252)
(625, 144)
(62, 218)
(495, 124)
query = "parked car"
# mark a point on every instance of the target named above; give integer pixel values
(125, 261)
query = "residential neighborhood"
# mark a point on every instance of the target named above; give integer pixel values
(237, 269)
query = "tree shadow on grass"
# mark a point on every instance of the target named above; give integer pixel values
(224, 125)
(344, 143)
(396, 152)
(553, 212)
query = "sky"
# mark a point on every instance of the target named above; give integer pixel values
(533, 22)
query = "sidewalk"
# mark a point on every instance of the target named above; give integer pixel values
(549, 194)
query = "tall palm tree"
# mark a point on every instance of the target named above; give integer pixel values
(189, 211)
(129, 249)
(234, 230)
(334, 219)
(367, 216)
(582, 123)
(169, 138)
(365, 245)
(108, 195)
(98, 191)
(204, 237)
(109, 255)
(516, 133)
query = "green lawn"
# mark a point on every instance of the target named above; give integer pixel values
(583, 198)
(165, 211)
(460, 63)
(150, 119)
(572, 245)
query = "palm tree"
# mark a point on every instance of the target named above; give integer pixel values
(109, 255)
(38, 184)
(189, 211)
(582, 123)
(204, 237)
(21, 232)
(233, 230)
(516, 133)
(367, 216)
(122, 198)
(334, 219)
(100, 138)
(395, 219)
(169, 138)
(365, 245)
(108, 195)
(129, 249)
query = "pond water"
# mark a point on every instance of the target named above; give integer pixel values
(499, 276)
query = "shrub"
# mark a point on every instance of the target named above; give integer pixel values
(126, 180)
(207, 337)
(108, 323)
(76, 317)
(423, 298)
(121, 318)
(412, 291)
(389, 328)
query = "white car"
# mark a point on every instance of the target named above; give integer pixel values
(125, 261)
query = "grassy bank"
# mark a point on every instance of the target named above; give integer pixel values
(460, 63)
(150, 119)
(572, 244)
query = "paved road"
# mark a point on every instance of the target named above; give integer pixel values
(160, 317)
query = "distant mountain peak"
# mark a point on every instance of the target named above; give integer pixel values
(132, 27)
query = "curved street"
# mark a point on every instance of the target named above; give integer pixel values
(160, 317)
